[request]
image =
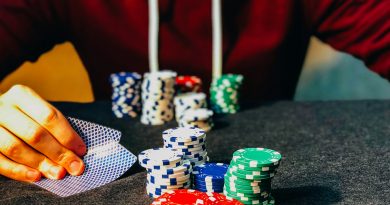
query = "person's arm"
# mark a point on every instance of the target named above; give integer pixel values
(35, 138)
(28, 28)
(358, 27)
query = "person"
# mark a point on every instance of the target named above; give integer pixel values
(266, 41)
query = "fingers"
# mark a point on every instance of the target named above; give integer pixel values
(47, 116)
(16, 150)
(18, 172)
(40, 139)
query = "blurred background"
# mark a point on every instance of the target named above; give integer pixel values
(327, 75)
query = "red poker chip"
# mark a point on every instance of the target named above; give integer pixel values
(182, 197)
(188, 83)
(220, 199)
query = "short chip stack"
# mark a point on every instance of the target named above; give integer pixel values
(248, 178)
(188, 101)
(166, 170)
(193, 197)
(126, 94)
(188, 84)
(191, 141)
(158, 90)
(224, 94)
(209, 177)
(200, 118)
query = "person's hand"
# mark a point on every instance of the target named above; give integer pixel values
(36, 139)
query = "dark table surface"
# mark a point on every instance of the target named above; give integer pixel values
(333, 152)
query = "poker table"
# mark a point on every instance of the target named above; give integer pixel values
(333, 152)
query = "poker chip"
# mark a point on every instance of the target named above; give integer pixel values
(183, 196)
(200, 118)
(190, 141)
(126, 94)
(220, 199)
(160, 157)
(166, 170)
(158, 90)
(209, 177)
(188, 84)
(257, 157)
(224, 93)
(249, 176)
(188, 101)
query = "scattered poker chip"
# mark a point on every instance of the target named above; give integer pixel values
(257, 157)
(158, 89)
(224, 93)
(126, 94)
(183, 196)
(248, 178)
(188, 84)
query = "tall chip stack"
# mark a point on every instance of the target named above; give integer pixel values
(225, 94)
(158, 90)
(188, 84)
(126, 94)
(166, 170)
(249, 176)
(191, 141)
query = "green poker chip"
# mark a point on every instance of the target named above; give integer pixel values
(236, 175)
(225, 93)
(260, 188)
(263, 194)
(233, 168)
(259, 197)
(245, 182)
(247, 191)
(247, 168)
(257, 157)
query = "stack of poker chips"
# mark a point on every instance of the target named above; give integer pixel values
(158, 90)
(190, 196)
(200, 118)
(209, 177)
(224, 94)
(190, 141)
(188, 84)
(188, 101)
(126, 94)
(166, 170)
(248, 178)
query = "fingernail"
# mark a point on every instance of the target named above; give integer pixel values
(33, 175)
(76, 167)
(55, 172)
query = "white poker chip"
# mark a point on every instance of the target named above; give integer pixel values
(160, 157)
(183, 134)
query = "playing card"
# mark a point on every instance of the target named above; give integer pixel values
(105, 161)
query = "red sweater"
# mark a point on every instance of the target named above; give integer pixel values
(264, 40)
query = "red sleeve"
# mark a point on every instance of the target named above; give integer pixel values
(28, 28)
(358, 27)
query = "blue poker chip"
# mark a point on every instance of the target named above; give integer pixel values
(210, 171)
(203, 183)
(209, 190)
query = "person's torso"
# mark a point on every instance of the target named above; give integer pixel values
(266, 41)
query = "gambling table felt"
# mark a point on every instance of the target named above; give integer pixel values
(333, 152)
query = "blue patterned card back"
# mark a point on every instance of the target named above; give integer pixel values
(105, 161)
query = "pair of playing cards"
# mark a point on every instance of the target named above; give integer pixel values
(105, 161)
